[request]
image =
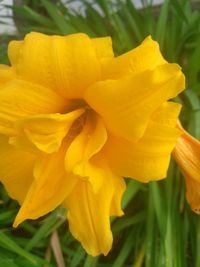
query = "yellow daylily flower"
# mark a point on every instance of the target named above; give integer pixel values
(75, 120)
(187, 155)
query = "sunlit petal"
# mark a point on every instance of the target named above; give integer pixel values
(67, 64)
(126, 105)
(46, 131)
(144, 57)
(103, 47)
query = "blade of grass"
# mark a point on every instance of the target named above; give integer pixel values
(7, 263)
(90, 261)
(125, 250)
(44, 230)
(126, 221)
(162, 22)
(27, 12)
(131, 190)
(8, 243)
(150, 235)
(77, 258)
(58, 18)
(159, 206)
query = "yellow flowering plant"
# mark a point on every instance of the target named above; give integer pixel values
(75, 120)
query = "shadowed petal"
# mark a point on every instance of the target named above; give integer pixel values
(46, 132)
(88, 143)
(20, 99)
(49, 188)
(193, 193)
(89, 212)
(6, 74)
(16, 169)
(148, 159)
(116, 205)
(187, 155)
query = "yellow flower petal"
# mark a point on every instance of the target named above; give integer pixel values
(19, 99)
(167, 114)
(15, 169)
(127, 105)
(67, 64)
(89, 216)
(49, 188)
(6, 74)
(85, 119)
(144, 57)
(45, 131)
(88, 143)
(14, 52)
(103, 47)
(193, 193)
(148, 159)
(187, 155)
(115, 207)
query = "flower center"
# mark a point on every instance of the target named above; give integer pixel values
(79, 123)
(76, 104)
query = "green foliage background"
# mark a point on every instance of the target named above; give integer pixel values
(158, 229)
